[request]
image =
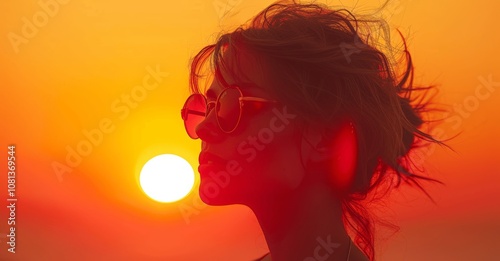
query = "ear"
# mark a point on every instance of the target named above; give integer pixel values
(345, 156)
(339, 150)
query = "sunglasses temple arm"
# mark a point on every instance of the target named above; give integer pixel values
(256, 99)
(186, 111)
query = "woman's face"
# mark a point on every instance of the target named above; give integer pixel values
(258, 161)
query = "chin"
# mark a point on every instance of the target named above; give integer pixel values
(212, 194)
(221, 196)
(218, 186)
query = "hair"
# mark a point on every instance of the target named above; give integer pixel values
(323, 64)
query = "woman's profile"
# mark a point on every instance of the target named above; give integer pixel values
(302, 115)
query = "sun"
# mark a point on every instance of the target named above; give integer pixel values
(166, 178)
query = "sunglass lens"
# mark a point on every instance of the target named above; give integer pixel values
(194, 113)
(228, 109)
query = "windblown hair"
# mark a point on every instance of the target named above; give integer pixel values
(324, 64)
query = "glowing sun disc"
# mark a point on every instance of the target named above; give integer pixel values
(166, 178)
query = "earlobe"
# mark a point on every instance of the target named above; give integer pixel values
(344, 151)
(336, 150)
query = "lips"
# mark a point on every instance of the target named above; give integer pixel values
(209, 158)
(209, 162)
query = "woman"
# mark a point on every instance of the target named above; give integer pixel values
(303, 118)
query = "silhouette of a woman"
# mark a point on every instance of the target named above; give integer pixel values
(303, 118)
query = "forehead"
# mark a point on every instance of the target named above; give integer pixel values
(248, 90)
(246, 65)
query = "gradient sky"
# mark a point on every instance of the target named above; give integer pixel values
(70, 72)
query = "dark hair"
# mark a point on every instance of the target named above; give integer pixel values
(323, 64)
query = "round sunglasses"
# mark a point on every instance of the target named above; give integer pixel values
(228, 109)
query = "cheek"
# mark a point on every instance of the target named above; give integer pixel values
(267, 152)
(286, 166)
(278, 163)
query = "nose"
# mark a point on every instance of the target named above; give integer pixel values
(208, 130)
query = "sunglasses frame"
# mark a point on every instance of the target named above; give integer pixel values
(242, 100)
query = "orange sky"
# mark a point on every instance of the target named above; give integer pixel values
(71, 69)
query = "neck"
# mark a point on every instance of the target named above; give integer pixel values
(306, 223)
